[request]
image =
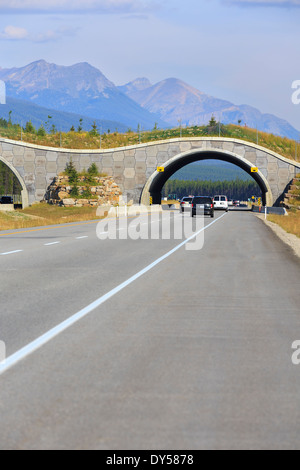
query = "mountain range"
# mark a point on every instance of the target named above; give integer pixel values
(79, 89)
(69, 93)
(175, 101)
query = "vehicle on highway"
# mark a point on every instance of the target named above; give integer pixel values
(221, 203)
(236, 203)
(202, 205)
(6, 200)
(230, 203)
(186, 204)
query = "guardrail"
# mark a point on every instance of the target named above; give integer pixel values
(270, 210)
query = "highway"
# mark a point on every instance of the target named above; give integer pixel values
(142, 344)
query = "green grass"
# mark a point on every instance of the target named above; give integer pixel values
(84, 140)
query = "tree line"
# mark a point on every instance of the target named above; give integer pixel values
(236, 189)
(48, 127)
(9, 183)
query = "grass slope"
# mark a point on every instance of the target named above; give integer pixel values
(84, 140)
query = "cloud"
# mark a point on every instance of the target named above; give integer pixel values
(265, 3)
(13, 33)
(74, 6)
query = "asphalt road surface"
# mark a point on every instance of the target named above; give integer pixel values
(142, 344)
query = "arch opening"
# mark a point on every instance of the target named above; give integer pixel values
(12, 184)
(156, 182)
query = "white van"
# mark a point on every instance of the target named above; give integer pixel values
(221, 203)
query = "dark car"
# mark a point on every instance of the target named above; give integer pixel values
(203, 205)
(6, 200)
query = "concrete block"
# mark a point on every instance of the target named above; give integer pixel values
(129, 173)
(141, 155)
(152, 162)
(51, 167)
(40, 161)
(107, 162)
(18, 151)
(129, 183)
(129, 162)
(29, 155)
(29, 167)
(118, 156)
(185, 146)
(273, 167)
(51, 156)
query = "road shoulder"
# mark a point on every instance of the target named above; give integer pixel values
(288, 238)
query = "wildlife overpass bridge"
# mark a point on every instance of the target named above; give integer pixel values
(135, 168)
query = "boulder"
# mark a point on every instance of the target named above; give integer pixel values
(69, 202)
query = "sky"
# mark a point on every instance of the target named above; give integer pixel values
(244, 51)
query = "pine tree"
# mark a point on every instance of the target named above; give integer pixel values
(30, 129)
(93, 170)
(80, 128)
(71, 172)
(94, 132)
(212, 122)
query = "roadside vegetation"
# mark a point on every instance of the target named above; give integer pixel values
(77, 138)
(290, 224)
(43, 214)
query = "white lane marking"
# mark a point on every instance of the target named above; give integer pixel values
(81, 238)
(11, 252)
(51, 334)
(53, 243)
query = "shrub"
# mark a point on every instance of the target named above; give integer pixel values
(74, 192)
(93, 170)
(41, 132)
(86, 194)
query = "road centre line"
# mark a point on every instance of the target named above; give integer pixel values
(53, 243)
(51, 334)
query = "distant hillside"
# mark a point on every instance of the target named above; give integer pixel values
(24, 111)
(211, 171)
(83, 90)
(174, 101)
(80, 89)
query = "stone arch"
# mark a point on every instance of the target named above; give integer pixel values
(24, 192)
(155, 183)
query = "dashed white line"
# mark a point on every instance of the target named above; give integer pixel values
(11, 252)
(81, 238)
(53, 243)
(51, 334)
